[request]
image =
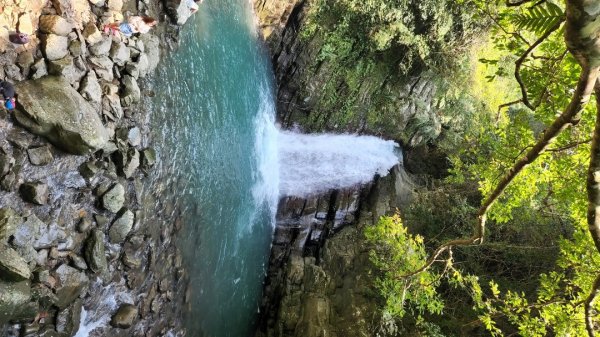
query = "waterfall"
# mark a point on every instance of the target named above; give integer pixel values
(295, 164)
(314, 163)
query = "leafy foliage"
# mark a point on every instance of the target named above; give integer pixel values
(540, 18)
(394, 252)
(369, 51)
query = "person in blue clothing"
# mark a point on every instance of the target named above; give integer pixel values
(8, 93)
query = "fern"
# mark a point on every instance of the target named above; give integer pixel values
(539, 19)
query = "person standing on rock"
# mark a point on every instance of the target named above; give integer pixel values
(134, 24)
(8, 92)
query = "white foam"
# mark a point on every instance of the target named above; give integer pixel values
(313, 163)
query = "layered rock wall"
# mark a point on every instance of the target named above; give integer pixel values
(318, 282)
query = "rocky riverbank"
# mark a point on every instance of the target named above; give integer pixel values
(77, 242)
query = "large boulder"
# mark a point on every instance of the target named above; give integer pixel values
(113, 199)
(131, 91)
(152, 50)
(121, 227)
(12, 266)
(50, 107)
(71, 284)
(55, 46)
(13, 296)
(95, 253)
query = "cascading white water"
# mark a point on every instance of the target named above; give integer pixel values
(314, 163)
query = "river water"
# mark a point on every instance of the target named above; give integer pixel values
(220, 158)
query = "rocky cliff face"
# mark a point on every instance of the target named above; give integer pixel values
(318, 282)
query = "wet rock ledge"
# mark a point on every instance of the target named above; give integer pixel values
(76, 242)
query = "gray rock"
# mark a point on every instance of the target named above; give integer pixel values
(134, 136)
(13, 72)
(152, 50)
(95, 253)
(64, 68)
(12, 266)
(114, 199)
(34, 192)
(103, 67)
(65, 118)
(67, 320)
(178, 11)
(121, 227)
(80, 64)
(115, 5)
(127, 162)
(88, 169)
(143, 65)
(6, 162)
(40, 156)
(33, 232)
(100, 220)
(90, 88)
(131, 91)
(8, 182)
(91, 34)
(131, 259)
(42, 257)
(102, 47)
(39, 69)
(9, 220)
(13, 296)
(133, 69)
(55, 46)
(78, 262)
(71, 284)
(25, 59)
(41, 292)
(148, 158)
(111, 106)
(119, 53)
(76, 48)
(124, 317)
(54, 24)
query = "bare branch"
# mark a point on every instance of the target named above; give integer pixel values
(520, 60)
(569, 146)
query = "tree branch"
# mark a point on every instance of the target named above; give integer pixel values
(589, 307)
(569, 146)
(506, 105)
(520, 60)
(570, 116)
(516, 3)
